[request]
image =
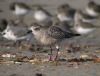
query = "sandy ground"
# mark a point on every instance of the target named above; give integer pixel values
(50, 69)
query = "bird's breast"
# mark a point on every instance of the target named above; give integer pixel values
(40, 16)
(91, 12)
(44, 39)
(82, 30)
(20, 11)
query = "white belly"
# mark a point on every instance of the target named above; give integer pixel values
(20, 11)
(88, 20)
(81, 30)
(40, 16)
(9, 35)
(91, 12)
(63, 17)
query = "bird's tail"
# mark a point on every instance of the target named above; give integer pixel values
(29, 31)
(76, 34)
(71, 35)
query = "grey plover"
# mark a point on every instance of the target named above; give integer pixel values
(82, 27)
(19, 9)
(14, 32)
(93, 8)
(41, 15)
(50, 36)
(65, 12)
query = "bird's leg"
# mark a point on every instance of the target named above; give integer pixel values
(29, 40)
(17, 43)
(50, 55)
(56, 57)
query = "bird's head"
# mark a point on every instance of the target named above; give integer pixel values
(63, 7)
(12, 6)
(37, 7)
(35, 27)
(91, 3)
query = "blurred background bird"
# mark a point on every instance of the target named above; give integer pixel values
(93, 8)
(85, 17)
(82, 27)
(41, 15)
(65, 12)
(14, 32)
(19, 9)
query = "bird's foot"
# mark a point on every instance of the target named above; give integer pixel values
(50, 58)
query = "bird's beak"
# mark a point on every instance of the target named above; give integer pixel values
(29, 31)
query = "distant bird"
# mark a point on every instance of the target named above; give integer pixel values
(50, 36)
(41, 15)
(19, 9)
(65, 12)
(14, 32)
(83, 27)
(85, 17)
(93, 9)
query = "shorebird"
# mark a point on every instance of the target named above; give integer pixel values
(14, 32)
(65, 12)
(82, 27)
(93, 9)
(50, 36)
(19, 9)
(41, 15)
(85, 17)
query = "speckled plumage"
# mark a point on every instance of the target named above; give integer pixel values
(50, 35)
